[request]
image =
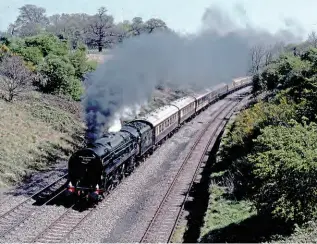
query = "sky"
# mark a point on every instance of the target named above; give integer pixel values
(180, 15)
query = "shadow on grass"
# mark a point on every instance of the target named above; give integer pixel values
(254, 229)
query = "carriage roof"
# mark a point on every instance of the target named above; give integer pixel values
(183, 102)
(159, 115)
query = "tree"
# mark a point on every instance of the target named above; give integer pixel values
(137, 26)
(257, 54)
(58, 76)
(12, 30)
(30, 21)
(102, 28)
(312, 39)
(14, 76)
(154, 24)
(71, 27)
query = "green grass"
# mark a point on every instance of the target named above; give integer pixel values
(35, 131)
(178, 234)
(223, 212)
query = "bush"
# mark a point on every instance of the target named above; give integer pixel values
(285, 169)
(15, 77)
(79, 60)
(48, 44)
(60, 70)
(237, 143)
(32, 54)
(59, 77)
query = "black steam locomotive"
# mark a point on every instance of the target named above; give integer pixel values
(100, 166)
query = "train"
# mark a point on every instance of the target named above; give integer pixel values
(96, 169)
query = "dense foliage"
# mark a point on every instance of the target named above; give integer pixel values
(270, 149)
(60, 69)
(285, 168)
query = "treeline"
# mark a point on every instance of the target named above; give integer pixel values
(49, 53)
(270, 150)
(96, 31)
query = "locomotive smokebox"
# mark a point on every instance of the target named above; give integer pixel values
(85, 169)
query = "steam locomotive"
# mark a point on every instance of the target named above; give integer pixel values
(98, 168)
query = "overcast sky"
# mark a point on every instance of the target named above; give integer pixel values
(181, 15)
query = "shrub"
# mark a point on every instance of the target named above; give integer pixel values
(285, 169)
(15, 77)
(238, 141)
(59, 76)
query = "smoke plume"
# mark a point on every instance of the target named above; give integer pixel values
(218, 53)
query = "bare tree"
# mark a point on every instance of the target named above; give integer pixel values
(257, 54)
(312, 39)
(14, 76)
(268, 55)
(12, 29)
(102, 26)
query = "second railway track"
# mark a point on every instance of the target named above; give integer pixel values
(164, 221)
(62, 226)
(66, 223)
(18, 214)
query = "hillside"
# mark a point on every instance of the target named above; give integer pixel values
(39, 130)
(36, 130)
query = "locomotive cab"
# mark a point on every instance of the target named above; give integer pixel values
(85, 173)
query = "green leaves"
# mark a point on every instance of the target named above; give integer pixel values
(285, 168)
(61, 69)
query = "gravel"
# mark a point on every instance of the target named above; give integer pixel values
(14, 196)
(124, 214)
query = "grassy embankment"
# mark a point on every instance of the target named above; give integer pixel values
(36, 130)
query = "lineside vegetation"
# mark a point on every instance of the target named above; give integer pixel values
(268, 157)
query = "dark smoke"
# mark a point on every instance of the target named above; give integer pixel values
(218, 53)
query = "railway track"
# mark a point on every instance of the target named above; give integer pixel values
(165, 219)
(18, 214)
(66, 223)
(63, 226)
